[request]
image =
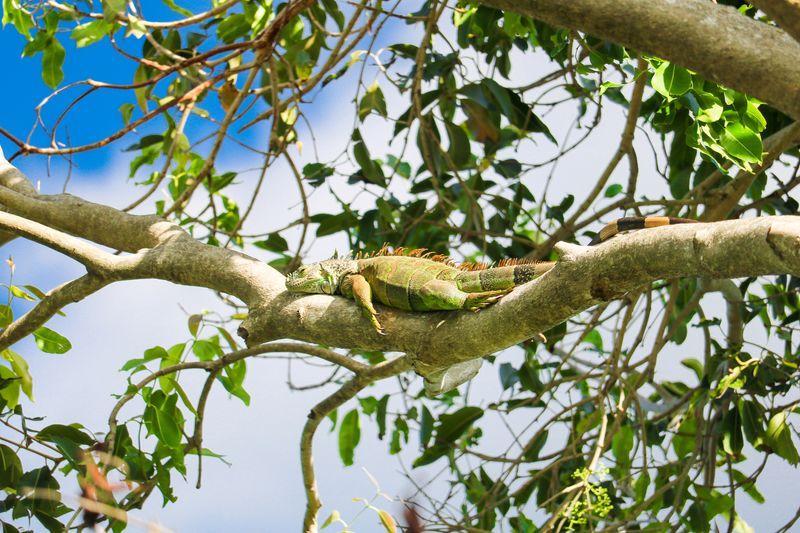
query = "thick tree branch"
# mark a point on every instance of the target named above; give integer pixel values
(93, 258)
(163, 250)
(716, 41)
(785, 12)
(436, 341)
(582, 278)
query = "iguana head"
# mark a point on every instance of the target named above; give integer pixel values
(320, 278)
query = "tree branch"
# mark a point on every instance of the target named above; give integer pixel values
(319, 412)
(716, 41)
(55, 300)
(785, 12)
(582, 278)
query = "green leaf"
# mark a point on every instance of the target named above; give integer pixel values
(508, 375)
(426, 427)
(177, 9)
(205, 350)
(19, 17)
(233, 27)
(779, 438)
(112, 8)
(49, 341)
(459, 149)
(752, 421)
(450, 428)
(640, 487)
(349, 436)
(710, 108)
(683, 442)
(749, 486)
(622, 444)
(60, 431)
(316, 173)
(233, 380)
(372, 100)
(10, 467)
(36, 291)
(595, 339)
(52, 61)
(742, 143)
(9, 391)
(193, 323)
(173, 357)
(18, 292)
(91, 32)
(671, 80)
(613, 190)
(694, 365)
(380, 415)
(127, 112)
(273, 243)
(20, 368)
(161, 419)
(6, 316)
(732, 440)
(40, 478)
(752, 117)
(68, 439)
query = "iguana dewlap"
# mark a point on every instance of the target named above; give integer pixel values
(412, 282)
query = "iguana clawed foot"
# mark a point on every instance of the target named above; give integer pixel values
(479, 300)
(376, 324)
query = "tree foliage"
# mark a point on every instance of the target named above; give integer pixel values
(451, 141)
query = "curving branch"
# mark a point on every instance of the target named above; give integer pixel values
(583, 277)
(714, 40)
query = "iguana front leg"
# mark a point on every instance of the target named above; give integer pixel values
(357, 287)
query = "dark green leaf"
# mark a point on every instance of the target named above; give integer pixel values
(60, 431)
(349, 436)
(10, 467)
(52, 61)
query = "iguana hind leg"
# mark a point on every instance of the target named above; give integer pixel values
(445, 295)
(440, 295)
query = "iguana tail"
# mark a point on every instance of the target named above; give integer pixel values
(634, 223)
(506, 276)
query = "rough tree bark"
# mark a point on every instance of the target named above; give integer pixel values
(714, 40)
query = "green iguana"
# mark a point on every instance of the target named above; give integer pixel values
(419, 281)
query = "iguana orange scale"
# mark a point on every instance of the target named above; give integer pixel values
(419, 280)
